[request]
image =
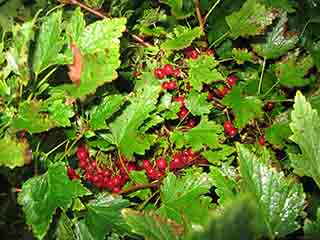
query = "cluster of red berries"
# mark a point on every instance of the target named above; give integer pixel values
(168, 71)
(192, 53)
(229, 129)
(107, 178)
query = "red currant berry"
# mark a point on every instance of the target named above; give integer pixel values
(262, 140)
(161, 164)
(165, 85)
(176, 73)
(151, 171)
(183, 113)
(116, 189)
(179, 99)
(188, 52)
(227, 125)
(232, 80)
(159, 73)
(192, 123)
(225, 90)
(210, 96)
(106, 172)
(82, 153)
(172, 85)
(232, 132)
(175, 163)
(210, 52)
(83, 164)
(268, 106)
(194, 54)
(168, 69)
(72, 174)
(146, 164)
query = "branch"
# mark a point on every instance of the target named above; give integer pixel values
(99, 14)
(198, 12)
(138, 187)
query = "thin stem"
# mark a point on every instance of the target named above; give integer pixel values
(219, 39)
(139, 187)
(147, 200)
(198, 12)
(123, 165)
(261, 76)
(273, 86)
(68, 150)
(225, 60)
(54, 149)
(210, 11)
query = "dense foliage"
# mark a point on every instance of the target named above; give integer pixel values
(170, 119)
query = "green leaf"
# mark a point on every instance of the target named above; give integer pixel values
(30, 118)
(305, 126)
(61, 113)
(236, 221)
(220, 154)
(291, 70)
(49, 43)
(125, 129)
(197, 103)
(105, 110)
(278, 133)
(64, 230)
(280, 201)
(104, 216)
(95, 4)
(278, 42)
(206, 133)
(312, 228)
(99, 45)
(242, 55)
(76, 26)
(315, 53)
(103, 34)
(12, 152)
(244, 108)
(225, 186)
(151, 226)
(182, 40)
(42, 195)
(250, 20)
(202, 70)
(177, 194)
(180, 8)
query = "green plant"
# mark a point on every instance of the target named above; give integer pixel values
(172, 120)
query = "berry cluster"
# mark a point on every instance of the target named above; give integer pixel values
(113, 179)
(183, 112)
(168, 71)
(229, 129)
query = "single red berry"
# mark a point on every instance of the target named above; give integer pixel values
(232, 132)
(165, 85)
(225, 90)
(161, 164)
(268, 106)
(146, 164)
(176, 73)
(175, 163)
(194, 54)
(116, 189)
(131, 166)
(72, 173)
(210, 96)
(159, 73)
(116, 180)
(93, 164)
(192, 123)
(210, 52)
(262, 140)
(172, 85)
(188, 52)
(82, 153)
(106, 172)
(151, 171)
(183, 113)
(88, 176)
(179, 99)
(232, 80)
(227, 125)
(168, 69)
(83, 164)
